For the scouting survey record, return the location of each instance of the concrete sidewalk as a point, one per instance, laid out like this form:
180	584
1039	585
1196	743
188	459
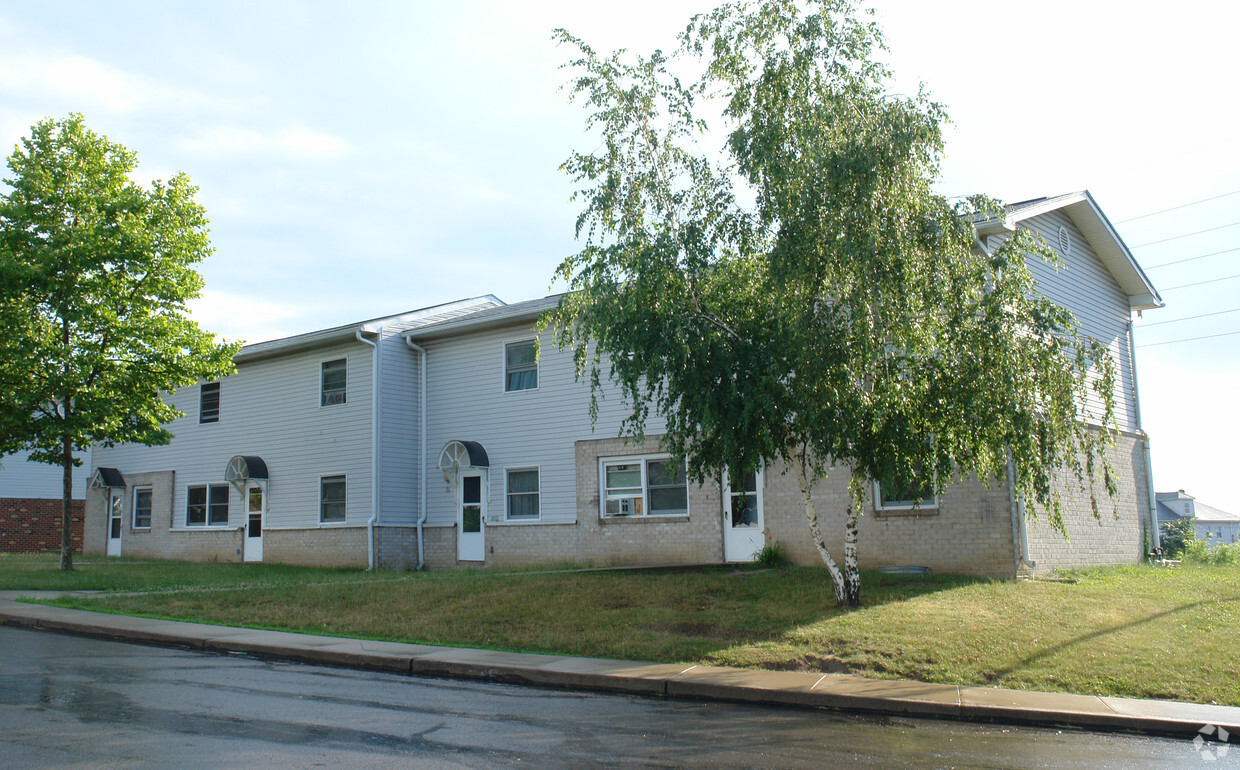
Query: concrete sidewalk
783	688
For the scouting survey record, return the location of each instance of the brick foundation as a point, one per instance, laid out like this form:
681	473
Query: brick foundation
30	525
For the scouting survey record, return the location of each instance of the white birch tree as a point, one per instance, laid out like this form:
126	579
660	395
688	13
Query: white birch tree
791	288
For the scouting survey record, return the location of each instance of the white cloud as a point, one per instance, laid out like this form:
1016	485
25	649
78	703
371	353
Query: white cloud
294	141
236	316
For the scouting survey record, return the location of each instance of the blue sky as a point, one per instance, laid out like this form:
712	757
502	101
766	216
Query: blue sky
368	158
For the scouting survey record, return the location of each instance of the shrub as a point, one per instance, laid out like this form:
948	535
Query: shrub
1201	552
772	555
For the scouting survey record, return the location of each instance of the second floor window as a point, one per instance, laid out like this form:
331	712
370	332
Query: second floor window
209	402
335	380
520	366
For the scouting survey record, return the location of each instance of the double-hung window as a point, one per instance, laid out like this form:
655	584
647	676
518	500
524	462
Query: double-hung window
643	486
905	494
209	402
522	493
332	499
206	505
334	382
142	508
520	366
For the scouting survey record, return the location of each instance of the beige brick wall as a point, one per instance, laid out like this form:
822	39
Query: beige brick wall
1116	536
396	548
970	532
317	546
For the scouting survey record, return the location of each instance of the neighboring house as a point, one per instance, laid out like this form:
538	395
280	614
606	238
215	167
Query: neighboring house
31	504
1213	525
451	443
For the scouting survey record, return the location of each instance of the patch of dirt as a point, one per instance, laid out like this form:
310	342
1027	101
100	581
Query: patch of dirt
811	664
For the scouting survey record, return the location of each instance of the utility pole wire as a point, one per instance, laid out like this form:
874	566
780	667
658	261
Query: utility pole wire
1187	339
1190	259
1176	208
1191	317
1185	235
1202	283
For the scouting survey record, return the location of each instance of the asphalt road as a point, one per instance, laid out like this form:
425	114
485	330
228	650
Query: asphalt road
74	701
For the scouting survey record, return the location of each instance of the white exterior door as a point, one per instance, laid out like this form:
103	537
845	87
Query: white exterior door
256	514
470	525
743	534
116	512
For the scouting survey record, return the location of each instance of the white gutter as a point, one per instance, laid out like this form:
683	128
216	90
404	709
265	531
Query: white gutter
1155	534
422	448
374	455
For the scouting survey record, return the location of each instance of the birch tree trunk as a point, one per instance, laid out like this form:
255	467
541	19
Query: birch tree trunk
811	515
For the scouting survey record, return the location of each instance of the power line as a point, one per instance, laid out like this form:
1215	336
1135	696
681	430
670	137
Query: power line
1187	339
1176	208
1213	280
1191	317
1185	235
1201	283
1190	259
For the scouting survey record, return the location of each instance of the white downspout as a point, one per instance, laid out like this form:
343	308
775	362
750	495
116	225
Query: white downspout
422	450
374	456
1155	534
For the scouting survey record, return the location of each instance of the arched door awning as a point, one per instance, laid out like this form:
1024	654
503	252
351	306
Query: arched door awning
243	468
107	478
462	454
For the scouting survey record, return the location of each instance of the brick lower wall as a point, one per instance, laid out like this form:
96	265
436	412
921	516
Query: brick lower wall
32	524
1116	535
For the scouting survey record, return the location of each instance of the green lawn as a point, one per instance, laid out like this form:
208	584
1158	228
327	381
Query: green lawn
1136	631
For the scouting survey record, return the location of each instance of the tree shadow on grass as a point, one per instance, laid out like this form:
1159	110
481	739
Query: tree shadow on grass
1047	652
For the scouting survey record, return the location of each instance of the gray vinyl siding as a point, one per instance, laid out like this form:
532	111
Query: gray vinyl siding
20	478
522	429
270	408
1084	286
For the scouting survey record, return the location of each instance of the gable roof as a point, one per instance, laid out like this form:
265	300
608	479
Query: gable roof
485	318
424	316
1084	212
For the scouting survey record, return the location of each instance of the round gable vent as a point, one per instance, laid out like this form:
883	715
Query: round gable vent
1065	242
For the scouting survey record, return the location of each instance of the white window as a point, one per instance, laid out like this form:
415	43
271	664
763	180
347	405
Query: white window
206	505
142	508
642	486
209	402
520	366
916	493
522	493
334	382
332	499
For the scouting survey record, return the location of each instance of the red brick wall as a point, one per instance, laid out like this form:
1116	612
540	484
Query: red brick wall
33	524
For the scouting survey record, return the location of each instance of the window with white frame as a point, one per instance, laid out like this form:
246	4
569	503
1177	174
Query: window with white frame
209	402
142	508
334	381
206	505
520	366
332	499
522	493
643	486
915	493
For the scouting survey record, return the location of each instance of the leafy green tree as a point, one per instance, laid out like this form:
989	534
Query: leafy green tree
1176	535
794	290
95	271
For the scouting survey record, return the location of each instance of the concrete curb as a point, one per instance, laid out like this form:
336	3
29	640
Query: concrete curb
783	688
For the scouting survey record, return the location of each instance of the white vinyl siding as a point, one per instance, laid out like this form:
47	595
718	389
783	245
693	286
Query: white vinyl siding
21	478
273	413
539	428
1085	287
